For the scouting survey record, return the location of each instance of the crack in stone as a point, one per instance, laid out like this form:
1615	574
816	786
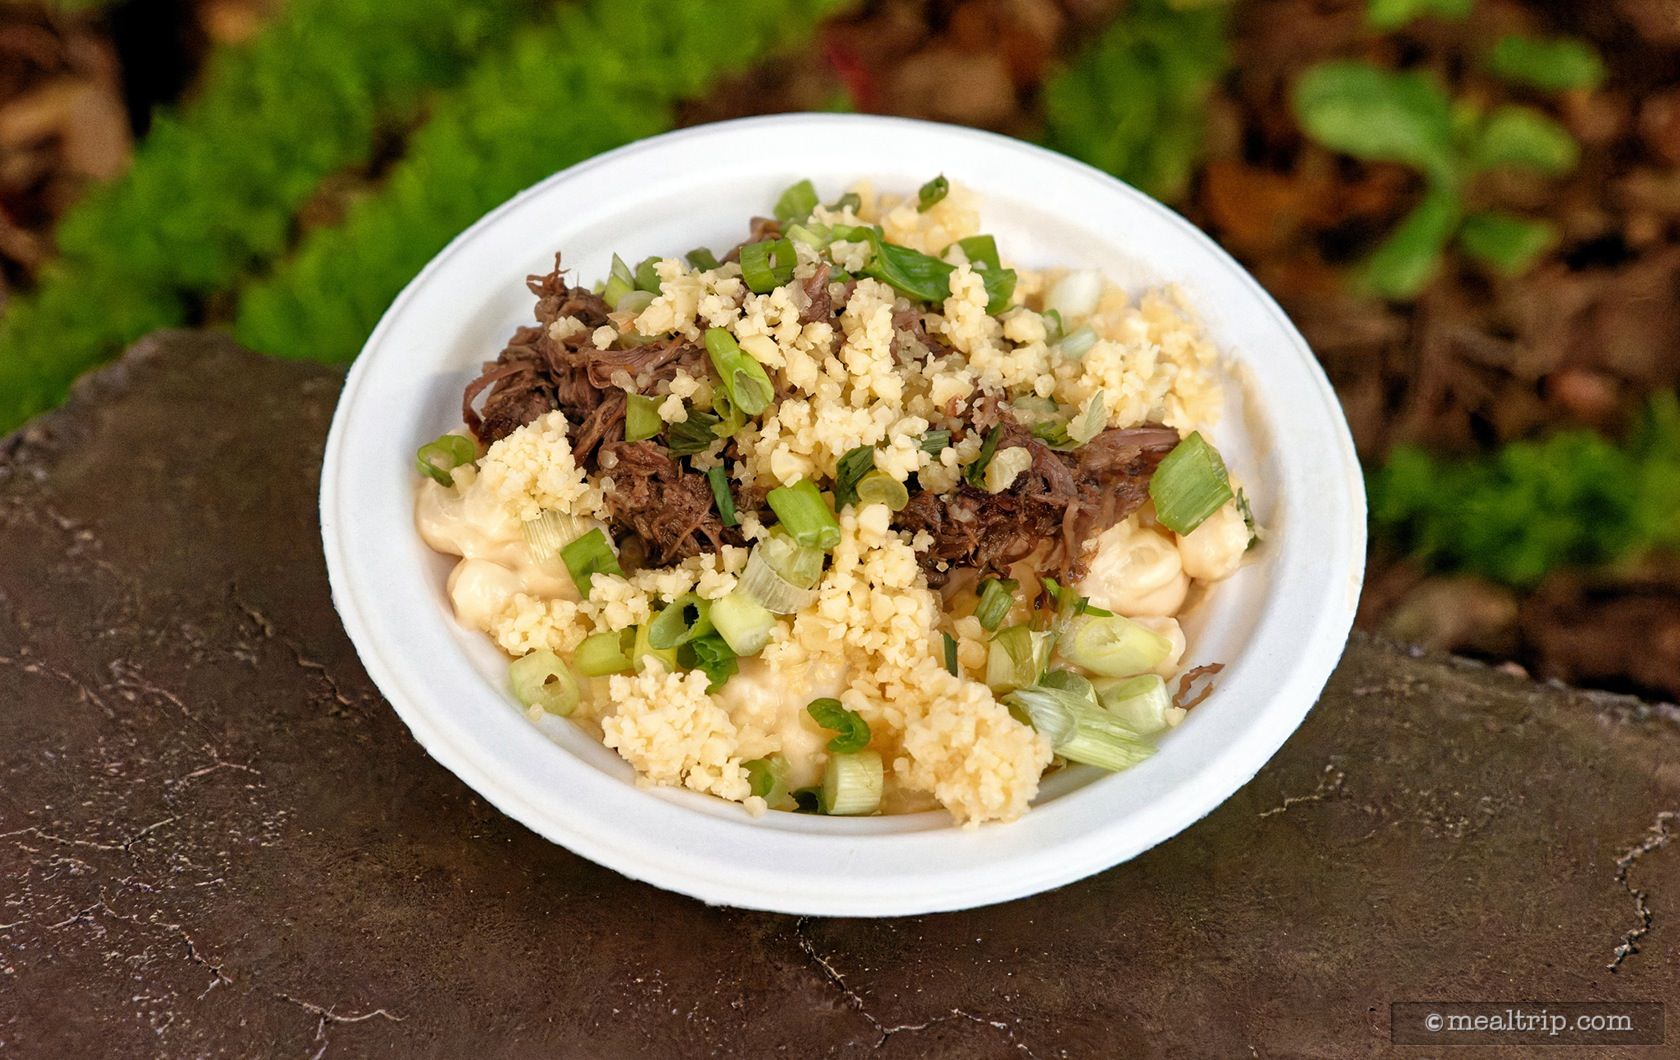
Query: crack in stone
269	631
324	1015
1329	784
825	968
1656	837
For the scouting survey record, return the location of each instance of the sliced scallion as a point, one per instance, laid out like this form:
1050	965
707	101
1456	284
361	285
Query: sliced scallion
588	556
1075	296
550	532
1053	327
641	418
975	473
812	235
761	581
851	731
796	203
848	471
541	679
647	274
932	193
644	649
620	282
768	264
718	479
743	622
633	304
1011	659
702	259
693	435
1078	728
744	379
1189	485
878	487
997	596
951	665
767	779
1143	704
712	655
605	653
852	784
1090	422
934	442
801	565
1077	343
442	455
981	252
805	515
849	201
682	620
1113	645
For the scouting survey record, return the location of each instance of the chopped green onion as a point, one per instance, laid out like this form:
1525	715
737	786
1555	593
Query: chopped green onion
1011	659
683	619
718	479
911	273
711	654
743	622
641	418
588	556
932	193
951	665
1142	704
443	454
1247	514
981	252
801	565
605	653
633	303
815	236
702	259
731	418
852	732
805	515
848	470
1077	343
644	649
1113	646
744	379
693	435
934	442
1078	728
997	596
768	264
540	679
975	473
796	203
647	275
1053	326
878	487
1091	422
1076	295
807	800
550	532
620	282
1189	485
852	784
767	779
851	200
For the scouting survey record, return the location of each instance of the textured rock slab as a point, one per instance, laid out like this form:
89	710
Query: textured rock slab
215	838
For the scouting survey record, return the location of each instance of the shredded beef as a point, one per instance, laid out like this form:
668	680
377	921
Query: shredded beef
1062	498
670	509
819	305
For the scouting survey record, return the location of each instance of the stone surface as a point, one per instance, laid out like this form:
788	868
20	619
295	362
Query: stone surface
216	839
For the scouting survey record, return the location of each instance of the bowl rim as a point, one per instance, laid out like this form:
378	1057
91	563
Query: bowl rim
767	886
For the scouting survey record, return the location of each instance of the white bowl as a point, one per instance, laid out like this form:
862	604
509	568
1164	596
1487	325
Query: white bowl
1279	625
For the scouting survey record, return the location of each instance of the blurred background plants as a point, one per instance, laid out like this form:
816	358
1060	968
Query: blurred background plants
1471	207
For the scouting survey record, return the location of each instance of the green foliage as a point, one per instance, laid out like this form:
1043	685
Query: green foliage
1392	14
1384	116
1134	101
601	74
214	188
1574	499
1555	64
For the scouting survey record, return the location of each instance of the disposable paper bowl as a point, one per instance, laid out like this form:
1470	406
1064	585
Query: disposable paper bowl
1279	625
